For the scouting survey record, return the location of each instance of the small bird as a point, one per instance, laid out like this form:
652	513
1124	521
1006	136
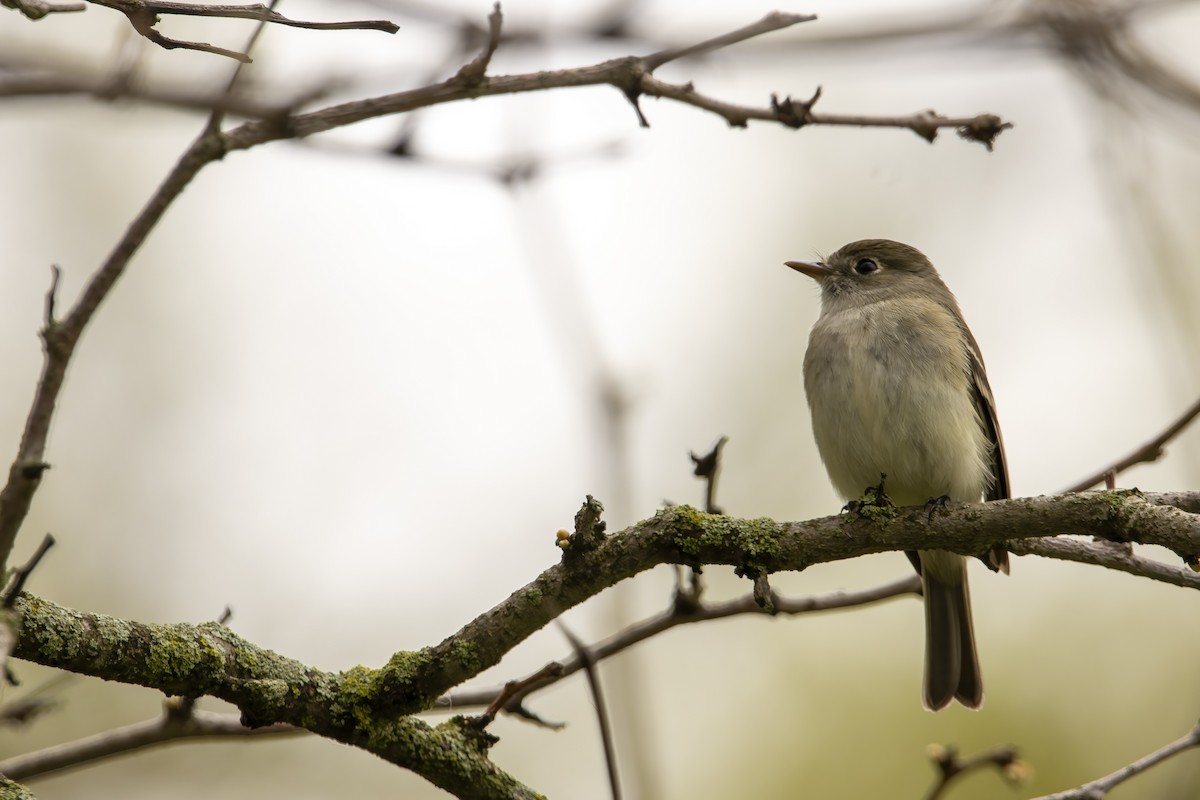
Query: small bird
897	387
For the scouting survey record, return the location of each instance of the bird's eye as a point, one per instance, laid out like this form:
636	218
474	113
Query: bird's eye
866	266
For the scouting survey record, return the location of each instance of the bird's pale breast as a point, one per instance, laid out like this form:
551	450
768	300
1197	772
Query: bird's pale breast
890	393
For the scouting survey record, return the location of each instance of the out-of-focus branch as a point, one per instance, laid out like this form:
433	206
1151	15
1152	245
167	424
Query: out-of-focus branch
950	767
707	467
1149	452
1100	787
586	658
36	9
131	738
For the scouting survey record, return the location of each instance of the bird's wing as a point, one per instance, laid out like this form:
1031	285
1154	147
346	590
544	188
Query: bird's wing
985	406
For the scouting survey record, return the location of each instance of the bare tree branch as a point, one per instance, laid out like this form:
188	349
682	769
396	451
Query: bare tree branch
675	616
630	74
143	16
36	9
1100	787
218	114
132	738
1111	556
776	20
606	738
1149	452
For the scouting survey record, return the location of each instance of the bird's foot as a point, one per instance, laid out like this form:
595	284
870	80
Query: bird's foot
936	504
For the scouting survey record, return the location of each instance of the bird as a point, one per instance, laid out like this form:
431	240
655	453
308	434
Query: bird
896	386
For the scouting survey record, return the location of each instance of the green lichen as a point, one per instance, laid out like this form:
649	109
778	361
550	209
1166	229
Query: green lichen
396	683
466	654
179	656
355	696
881	515
698	534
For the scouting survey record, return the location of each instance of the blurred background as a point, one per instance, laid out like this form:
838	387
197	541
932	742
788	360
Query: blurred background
351	386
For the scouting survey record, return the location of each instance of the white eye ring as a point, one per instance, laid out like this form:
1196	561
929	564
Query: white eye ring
866	266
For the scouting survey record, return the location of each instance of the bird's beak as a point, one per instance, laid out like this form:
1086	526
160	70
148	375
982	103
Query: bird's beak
813	269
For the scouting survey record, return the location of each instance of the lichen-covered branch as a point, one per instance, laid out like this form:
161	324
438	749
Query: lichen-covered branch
368	708
210	659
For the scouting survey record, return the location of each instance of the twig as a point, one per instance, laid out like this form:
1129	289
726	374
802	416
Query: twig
131	738
1100	787
52	295
1106	554
22	574
708	466
143	16
641	631
36	702
593	676
59	342
774	21
1149	452
950	766
103	88
218	113
514	689
473	71
36	9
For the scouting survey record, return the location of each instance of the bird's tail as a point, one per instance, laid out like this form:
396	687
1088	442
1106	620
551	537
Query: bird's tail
951	665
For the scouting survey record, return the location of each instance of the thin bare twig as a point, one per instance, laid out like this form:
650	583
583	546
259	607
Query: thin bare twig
36	9
708	467
1100	787
1149	452
473	71
36	702
218	113
21	575
774	21
9	625
143	16
1111	556
513	690
586	658
950	766
102	87
131	738
641	631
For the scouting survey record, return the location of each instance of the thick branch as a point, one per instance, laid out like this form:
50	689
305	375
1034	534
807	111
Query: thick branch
210	659
268	688
365	707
